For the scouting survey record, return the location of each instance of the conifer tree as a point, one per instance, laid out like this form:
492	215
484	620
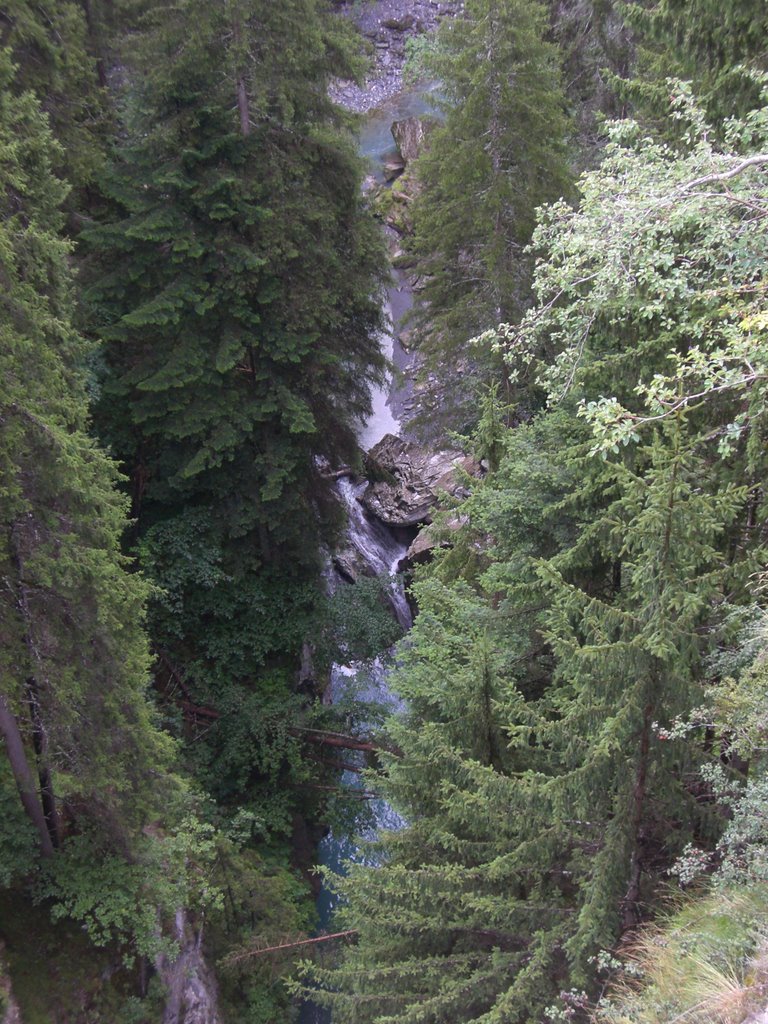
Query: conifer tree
543	790
73	713
499	154
236	289
52	45
718	47
535	821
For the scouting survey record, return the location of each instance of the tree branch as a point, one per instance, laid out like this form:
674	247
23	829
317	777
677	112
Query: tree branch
752	161
336	739
249	953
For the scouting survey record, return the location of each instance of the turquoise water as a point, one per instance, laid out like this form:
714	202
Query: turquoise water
376	142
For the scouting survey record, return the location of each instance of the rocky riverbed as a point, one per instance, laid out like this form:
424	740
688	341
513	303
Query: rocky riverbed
387	24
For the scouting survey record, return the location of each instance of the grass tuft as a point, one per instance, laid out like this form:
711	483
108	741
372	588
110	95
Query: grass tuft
707	963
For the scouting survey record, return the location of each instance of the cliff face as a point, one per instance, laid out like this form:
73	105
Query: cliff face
190	984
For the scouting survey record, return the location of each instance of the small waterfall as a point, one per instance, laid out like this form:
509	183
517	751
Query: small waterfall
377	545
381	551
382	420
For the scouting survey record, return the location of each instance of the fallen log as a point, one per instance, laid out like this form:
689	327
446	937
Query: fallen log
333	739
249	953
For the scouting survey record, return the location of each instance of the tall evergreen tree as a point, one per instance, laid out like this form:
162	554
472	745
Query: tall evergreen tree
498	155
52	45
238	300
543	800
718	47
535	819
75	660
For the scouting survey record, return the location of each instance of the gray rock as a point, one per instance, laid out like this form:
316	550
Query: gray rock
426	540
393	169
401	24
351	564
411	135
191	991
408	479
406	339
392	21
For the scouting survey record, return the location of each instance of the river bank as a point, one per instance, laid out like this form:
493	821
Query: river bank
387	25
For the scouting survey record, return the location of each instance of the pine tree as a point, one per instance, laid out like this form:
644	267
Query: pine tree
536	819
718	47
543	788
52	43
236	290
499	154
75	660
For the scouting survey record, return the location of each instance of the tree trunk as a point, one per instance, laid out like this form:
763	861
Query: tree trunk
495	132
243	106
39	735
630	915
95	43
14	745
40	742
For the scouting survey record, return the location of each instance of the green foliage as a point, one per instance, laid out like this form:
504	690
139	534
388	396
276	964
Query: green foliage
681	329
126	902
50	43
498	155
18	847
74	650
237	294
706	961
236	290
595	46
419	52
575	619
358	623
55	971
264	902
718	47
239	612
491	427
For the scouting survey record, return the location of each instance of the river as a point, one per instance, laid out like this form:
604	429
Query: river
378	546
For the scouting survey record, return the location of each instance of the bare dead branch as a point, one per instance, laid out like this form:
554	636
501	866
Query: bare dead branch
752	161
248	954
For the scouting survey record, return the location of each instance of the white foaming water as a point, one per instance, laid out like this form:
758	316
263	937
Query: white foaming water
382	552
379	548
382	420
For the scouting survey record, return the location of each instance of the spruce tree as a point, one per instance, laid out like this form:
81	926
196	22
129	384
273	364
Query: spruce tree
535	820
73	712
236	289
52	44
718	47
544	790
498	155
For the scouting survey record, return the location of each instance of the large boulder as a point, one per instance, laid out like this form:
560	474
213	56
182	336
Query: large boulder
350	564
408	479
410	135
427	540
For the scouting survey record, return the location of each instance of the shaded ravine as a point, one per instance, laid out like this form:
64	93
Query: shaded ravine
379	547
382	552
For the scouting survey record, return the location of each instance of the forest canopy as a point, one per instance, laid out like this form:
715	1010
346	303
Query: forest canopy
194	297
